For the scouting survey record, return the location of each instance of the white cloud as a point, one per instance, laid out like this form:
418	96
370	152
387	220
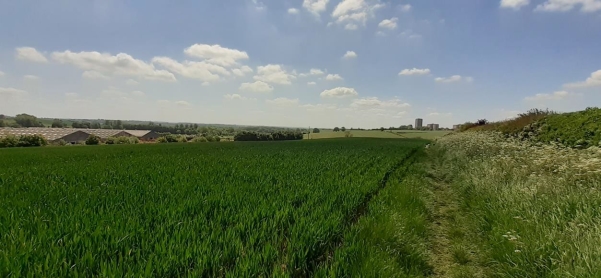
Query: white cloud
351	26
90	74
293	11
405	8
334	77
381	34
593	81
400	115
30	54
71	95
409	34
236	97
242	71
319	107
559	95
196	70
454	78
315	6
567	5
257	87
1	73
282	101
414	71
30	77
374	102
11	93
274	74
438	114
350	55
311	83
132	82
182	103
514	4
259	6
138	93
312	72
216	54
340	92
355	11
390	24
120	64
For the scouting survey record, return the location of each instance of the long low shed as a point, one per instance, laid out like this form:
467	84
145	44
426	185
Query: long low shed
74	135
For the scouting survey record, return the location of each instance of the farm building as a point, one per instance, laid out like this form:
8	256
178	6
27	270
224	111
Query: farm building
74	135
144	135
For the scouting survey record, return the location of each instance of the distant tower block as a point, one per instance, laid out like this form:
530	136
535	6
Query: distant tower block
419	123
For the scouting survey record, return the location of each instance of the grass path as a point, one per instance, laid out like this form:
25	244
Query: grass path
453	252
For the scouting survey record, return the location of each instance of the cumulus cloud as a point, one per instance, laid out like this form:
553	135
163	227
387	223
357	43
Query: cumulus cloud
71	95
293	11
30	77
374	103
236	97
355	11
315	7
311	83
593	81
242	71
120	64
30	54
216	54
405	8
438	114
454	78
334	77
586	6
514	4
257	87
138	93
340	92
414	71
182	103
312	72
351	26
90	74
350	55
274	74
132	82
559	95
282	101
196	70
390	24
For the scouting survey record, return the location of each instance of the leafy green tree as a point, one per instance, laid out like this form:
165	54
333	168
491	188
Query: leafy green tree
26	120
336	129
316	130
2	123
58	123
343	129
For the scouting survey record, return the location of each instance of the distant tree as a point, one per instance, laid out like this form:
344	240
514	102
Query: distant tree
26	120
343	129
382	128
481	122
336	129
2	117
58	123
316	130
2	123
96	125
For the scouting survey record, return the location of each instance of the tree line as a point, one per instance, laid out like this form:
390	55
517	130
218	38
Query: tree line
275	136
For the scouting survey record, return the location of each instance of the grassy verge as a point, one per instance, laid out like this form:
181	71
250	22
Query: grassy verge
391	239
532	211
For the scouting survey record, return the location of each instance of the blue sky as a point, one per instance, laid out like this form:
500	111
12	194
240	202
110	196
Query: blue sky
353	63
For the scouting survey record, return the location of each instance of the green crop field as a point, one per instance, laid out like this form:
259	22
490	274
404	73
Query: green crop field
167	210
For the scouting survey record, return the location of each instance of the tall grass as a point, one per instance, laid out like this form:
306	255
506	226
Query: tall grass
536	208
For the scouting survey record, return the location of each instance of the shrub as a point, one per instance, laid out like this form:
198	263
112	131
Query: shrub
61	142
182	139
169	138
122	140
110	141
93	140
199	139
32	141
9	141
217	139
